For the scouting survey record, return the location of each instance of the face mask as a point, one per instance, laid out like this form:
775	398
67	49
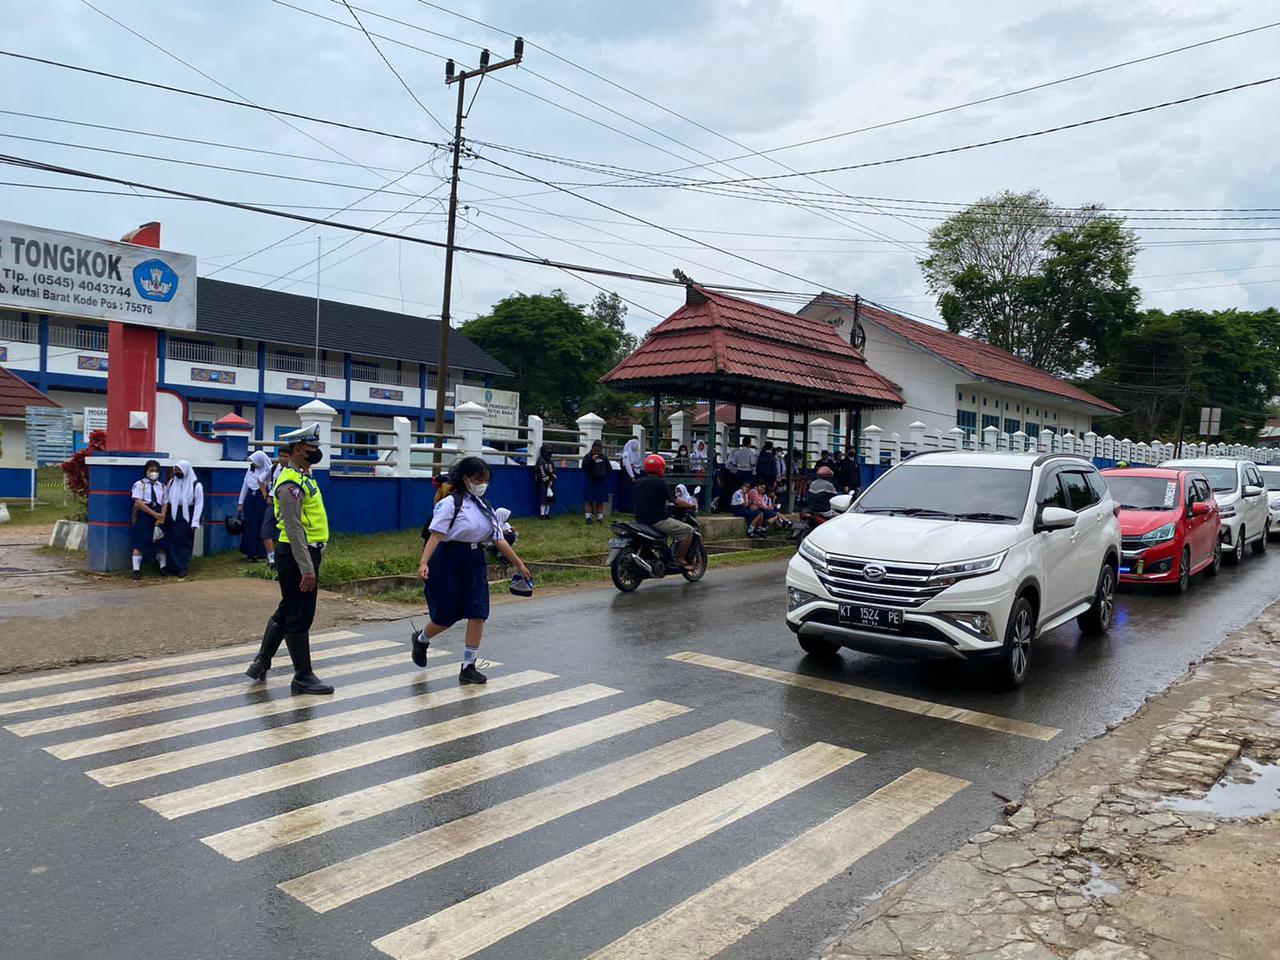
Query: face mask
314	456
153	474
477	489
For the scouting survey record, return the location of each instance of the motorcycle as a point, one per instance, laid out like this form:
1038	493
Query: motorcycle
638	552
808	522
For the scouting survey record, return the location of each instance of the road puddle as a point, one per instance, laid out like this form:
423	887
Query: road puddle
1248	789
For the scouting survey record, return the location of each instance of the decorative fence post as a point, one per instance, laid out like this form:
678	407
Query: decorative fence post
468	422
1045	443
1018	441
534	436
894	445
1091	445
679	429
872	434
955	438
404	446
916	431
590	429
820	435
990	437
1142	453
319	412
1109	447
637	431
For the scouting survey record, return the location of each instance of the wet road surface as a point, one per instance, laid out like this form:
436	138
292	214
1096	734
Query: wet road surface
659	775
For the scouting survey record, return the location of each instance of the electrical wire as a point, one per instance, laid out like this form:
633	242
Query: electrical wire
409	90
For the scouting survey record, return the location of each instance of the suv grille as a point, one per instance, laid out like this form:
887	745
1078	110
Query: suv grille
903	584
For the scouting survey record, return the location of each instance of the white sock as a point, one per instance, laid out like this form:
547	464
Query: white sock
468	656
587	515
162	559
599	516
271	556
137	563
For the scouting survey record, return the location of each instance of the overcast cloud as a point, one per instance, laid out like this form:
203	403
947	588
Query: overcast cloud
757	72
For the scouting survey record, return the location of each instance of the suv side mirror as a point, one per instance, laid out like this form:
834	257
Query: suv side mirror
841	502
1252	491
1056	518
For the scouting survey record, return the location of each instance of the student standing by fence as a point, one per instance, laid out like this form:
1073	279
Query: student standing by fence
148	519
255	491
544	476
186	508
596	469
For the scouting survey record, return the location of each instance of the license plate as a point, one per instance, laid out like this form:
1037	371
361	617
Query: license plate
871	618
617	543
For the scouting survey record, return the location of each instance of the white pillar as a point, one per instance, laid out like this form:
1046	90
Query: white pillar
820	434
872	434
404	446
990	437
955	438
1091	445
894	443
1018	442
468	424
679	429
637	431
590	429
1109	447
533	436
916	432
1142	453
1046	440
320	413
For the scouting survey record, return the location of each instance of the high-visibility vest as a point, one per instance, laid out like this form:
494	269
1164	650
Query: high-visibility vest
315	522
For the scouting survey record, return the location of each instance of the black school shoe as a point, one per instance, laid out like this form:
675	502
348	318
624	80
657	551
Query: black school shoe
418	648
469	674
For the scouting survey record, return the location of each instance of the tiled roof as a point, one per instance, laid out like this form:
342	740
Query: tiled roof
16	395
236	310
980	359
760	355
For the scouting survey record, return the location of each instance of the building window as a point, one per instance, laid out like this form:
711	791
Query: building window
990	420
959	398
984	401
360	453
202	428
967	420
1011	425
1033	429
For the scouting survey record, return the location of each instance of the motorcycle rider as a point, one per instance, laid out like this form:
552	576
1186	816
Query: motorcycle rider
652	498
821	491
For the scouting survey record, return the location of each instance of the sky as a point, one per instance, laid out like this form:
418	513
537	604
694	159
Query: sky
661	87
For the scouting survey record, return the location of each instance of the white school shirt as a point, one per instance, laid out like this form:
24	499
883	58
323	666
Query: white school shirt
739	498
249	487
474	524
195	510
140	491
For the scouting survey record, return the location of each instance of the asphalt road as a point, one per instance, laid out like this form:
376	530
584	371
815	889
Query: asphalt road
658	778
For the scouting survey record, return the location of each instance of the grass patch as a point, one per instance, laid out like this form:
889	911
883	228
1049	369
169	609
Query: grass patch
49	507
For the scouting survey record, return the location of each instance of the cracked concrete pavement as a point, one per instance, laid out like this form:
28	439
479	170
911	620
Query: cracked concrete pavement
1105	859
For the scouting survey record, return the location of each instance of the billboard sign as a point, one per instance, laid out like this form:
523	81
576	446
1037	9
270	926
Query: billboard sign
502	409
50	271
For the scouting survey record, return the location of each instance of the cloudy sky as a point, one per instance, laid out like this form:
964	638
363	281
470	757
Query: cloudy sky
660	87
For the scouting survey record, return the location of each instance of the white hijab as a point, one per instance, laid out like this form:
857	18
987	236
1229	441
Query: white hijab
259	471
700	450
182	491
683	492
631	457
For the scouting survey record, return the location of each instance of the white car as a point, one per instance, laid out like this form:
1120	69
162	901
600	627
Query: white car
960	555
1271	476
1242	503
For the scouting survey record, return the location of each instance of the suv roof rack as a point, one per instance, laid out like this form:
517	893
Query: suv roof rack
1049	456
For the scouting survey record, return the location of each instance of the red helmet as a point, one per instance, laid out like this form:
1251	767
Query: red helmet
654	464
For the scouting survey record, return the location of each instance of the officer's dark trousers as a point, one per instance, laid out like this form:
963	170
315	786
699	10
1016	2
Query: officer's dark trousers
292	620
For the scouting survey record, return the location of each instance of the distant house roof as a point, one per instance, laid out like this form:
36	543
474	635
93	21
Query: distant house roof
981	360
16	395
236	310
752	354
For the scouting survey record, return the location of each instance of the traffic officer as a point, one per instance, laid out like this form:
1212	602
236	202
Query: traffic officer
304	530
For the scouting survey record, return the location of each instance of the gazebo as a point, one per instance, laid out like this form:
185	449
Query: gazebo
723	349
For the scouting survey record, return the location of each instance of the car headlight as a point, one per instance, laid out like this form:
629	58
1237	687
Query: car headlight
1275	501
799	598
1227	511
815	555
948	573
1159	534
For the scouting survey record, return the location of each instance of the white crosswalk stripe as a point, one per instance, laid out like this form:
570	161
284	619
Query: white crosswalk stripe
267	779
57	678
612	777
81	694
241	685
481	921
185	758
306	822
151	732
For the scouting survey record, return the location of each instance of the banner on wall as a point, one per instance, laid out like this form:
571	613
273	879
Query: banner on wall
502	409
51	271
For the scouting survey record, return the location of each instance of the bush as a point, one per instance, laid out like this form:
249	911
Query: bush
75	472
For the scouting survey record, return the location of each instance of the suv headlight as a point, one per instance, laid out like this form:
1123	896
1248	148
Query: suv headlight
816	556
798	598
948	573
1159	534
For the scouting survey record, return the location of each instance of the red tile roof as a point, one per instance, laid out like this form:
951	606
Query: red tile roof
762	355
980	359
16	395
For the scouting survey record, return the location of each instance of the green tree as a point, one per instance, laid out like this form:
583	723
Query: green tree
1220	358
1051	286
557	350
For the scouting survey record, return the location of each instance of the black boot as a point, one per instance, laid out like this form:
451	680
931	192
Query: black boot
271	638
304	681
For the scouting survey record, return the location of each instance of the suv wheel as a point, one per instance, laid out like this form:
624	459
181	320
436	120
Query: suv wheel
1009	669
1097	619
1237	552
1260	545
818	648
1184	572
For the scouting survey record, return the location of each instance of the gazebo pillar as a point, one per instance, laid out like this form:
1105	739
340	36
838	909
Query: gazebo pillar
713	468
791	457
656	443
735	435
804	445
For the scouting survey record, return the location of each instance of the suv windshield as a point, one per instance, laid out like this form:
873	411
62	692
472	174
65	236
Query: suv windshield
1272	478
984	494
1143	493
1222	479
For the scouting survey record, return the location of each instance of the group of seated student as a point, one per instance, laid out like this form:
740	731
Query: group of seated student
754	502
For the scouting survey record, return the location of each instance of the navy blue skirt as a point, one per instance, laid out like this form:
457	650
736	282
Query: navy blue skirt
457	586
144	532
597	489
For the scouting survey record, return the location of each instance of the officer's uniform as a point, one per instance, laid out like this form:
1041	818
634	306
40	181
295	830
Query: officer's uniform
304	531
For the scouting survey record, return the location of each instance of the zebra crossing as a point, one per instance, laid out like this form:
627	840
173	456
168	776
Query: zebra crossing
193	742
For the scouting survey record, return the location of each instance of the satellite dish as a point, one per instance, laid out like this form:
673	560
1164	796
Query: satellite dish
859	337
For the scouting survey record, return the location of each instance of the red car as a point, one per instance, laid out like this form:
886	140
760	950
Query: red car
1168	525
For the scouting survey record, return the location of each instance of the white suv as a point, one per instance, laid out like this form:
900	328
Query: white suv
1242	503
960	555
1271	476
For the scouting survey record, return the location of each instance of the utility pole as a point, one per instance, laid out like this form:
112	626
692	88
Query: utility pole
442	365
1182	409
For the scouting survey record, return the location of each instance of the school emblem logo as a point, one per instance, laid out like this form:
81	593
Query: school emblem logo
155	280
